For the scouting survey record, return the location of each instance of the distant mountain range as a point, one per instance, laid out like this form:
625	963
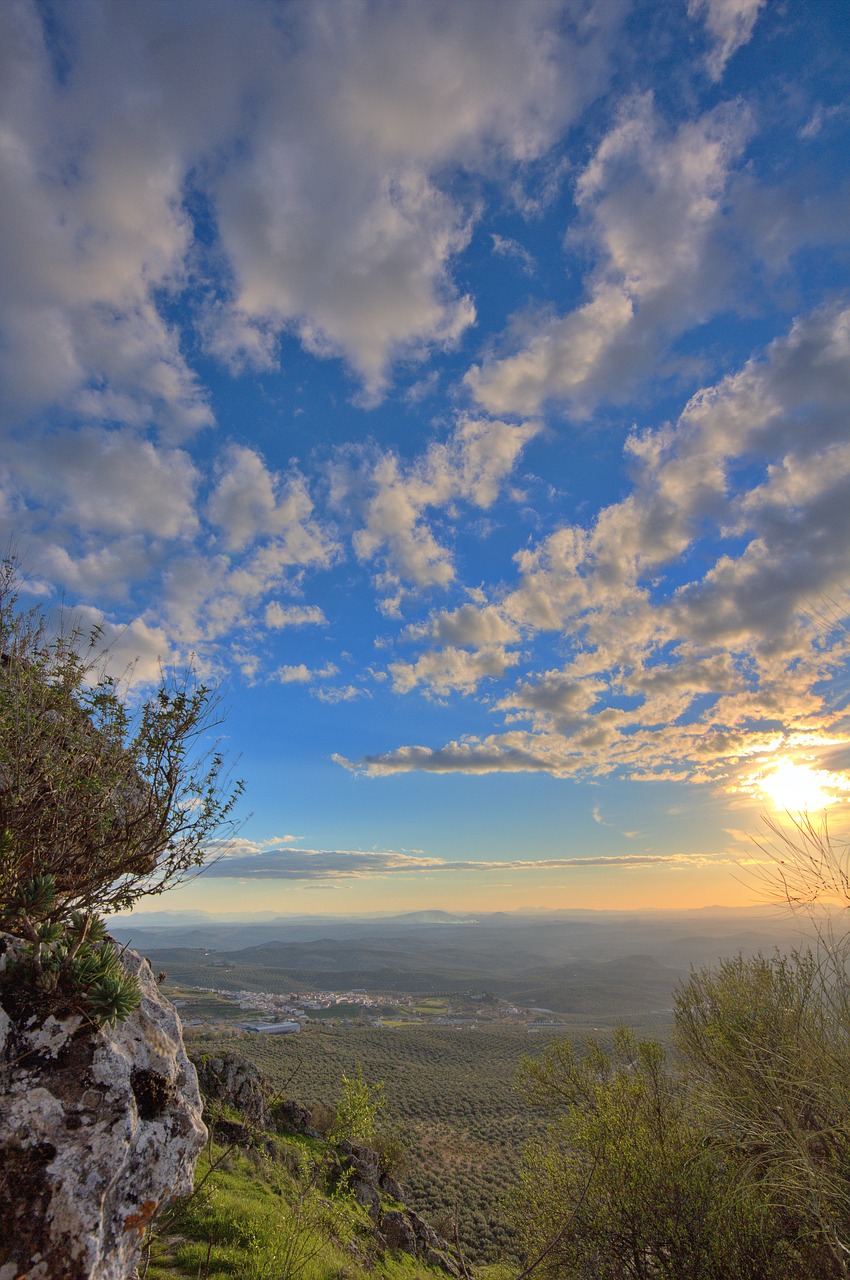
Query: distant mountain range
571	962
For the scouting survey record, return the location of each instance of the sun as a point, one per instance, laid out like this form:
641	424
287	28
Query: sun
797	788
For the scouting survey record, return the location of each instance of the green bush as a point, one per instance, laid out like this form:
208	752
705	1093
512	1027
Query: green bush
765	1043
103	799
622	1185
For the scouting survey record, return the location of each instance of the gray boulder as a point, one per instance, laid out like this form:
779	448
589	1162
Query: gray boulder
99	1130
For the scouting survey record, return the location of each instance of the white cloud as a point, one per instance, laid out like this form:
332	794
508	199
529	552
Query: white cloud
710	680
250	503
300	674
730	24
206	596
451	669
292	173
135	651
507	247
470	624
393	498
652	204
92	225
294	615
319	133
109	481
339	227
340	693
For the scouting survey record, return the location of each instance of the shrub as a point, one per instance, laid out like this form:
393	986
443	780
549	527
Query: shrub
735	1160
103	799
358	1110
622	1184
112	799
766	1046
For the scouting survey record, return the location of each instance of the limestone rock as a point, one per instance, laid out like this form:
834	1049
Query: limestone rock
398	1232
98	1130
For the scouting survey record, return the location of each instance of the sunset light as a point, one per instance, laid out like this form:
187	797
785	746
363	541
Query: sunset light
462	387
797	788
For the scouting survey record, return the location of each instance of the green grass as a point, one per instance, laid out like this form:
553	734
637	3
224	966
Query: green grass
261	1217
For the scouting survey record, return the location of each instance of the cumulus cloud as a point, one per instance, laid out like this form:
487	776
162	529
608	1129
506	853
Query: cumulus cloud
298	674
340	227
333	694
106	481
93	224
207	596
702	680
652	205
317	131
249	503
135	652
392	499
171	180
294	615
445	670
470	624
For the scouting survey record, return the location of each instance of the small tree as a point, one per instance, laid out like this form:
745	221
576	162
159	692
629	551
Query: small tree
358	1111
102	800
112	800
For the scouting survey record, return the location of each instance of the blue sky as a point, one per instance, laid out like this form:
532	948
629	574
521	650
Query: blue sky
466	386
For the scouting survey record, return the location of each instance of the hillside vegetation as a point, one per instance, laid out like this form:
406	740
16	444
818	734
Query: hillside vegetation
724	1155
451	1093
276	1200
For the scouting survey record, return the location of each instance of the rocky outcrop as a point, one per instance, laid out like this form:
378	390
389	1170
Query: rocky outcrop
99	1128
231	1079
238	1105
397	1226
291	1117
404	1229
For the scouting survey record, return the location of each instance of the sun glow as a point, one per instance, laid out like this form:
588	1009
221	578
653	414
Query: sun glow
797	788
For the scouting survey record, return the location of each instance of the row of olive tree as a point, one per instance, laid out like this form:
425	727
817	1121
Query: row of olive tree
725	1159
104	798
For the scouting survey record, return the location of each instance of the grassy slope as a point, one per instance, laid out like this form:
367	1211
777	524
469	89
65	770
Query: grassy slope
452	1092
269	1217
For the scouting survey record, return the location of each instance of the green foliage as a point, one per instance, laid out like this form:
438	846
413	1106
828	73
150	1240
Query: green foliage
733	1162
358	1110
100	802
250	1220
112	798
765	1041
621	1184
270	1217
450	1097
72	960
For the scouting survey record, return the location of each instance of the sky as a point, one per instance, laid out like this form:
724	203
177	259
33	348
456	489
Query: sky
464	386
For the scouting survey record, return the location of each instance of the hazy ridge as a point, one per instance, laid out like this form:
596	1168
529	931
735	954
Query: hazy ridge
569	962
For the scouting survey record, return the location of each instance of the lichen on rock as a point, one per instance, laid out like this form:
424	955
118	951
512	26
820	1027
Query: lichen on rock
100	1127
